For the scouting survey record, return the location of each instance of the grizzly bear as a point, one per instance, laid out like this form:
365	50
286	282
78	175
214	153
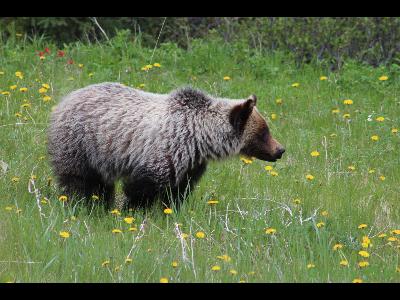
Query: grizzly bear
158	144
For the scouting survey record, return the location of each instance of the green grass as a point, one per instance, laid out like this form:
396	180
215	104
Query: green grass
250	199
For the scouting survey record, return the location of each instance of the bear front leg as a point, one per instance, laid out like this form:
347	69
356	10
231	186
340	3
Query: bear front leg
87	186
140	193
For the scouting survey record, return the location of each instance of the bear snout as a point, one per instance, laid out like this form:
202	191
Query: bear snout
279	152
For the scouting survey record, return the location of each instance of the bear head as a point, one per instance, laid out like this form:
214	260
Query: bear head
256	137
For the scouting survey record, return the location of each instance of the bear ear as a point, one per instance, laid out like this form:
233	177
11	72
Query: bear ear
241	112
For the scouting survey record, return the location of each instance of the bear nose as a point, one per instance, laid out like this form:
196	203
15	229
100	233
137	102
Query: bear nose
280	151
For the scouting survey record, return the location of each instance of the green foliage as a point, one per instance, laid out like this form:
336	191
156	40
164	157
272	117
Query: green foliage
331	40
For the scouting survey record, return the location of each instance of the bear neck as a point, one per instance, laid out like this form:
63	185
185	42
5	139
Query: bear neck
213	136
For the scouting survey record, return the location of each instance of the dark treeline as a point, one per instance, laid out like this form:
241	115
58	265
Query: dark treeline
373	40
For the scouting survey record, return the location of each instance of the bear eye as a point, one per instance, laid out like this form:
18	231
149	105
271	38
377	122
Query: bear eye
265	135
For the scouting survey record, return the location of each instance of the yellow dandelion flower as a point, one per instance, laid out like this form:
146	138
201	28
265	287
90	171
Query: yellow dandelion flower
323	78
215	268
129	220
362	226
246	160
8	208
18	115
296	84
382	177
297	201
320	224
142	85
144	68
46	98
270	230
392	239
157	65
268	168
200	235
273	173
90	74
395	231
226	78
363	253
212	202
19	74
309	177
233	272
383	78
13	87
116	212
394	130
366	242
274	116
64	234
80	66
46	86
26	105
224	257
374	138
18	210
278	101
174	264
310	266
184	235
63	198
382	235
117	268
163	280
128	260
105	263
23	89
324	213
132	229
346	116
357	280
344	263
370	171
42	90
337	247
168	211
15	179
348	102
6	93
380	119
95	197
363	264
335	110
351	168
116	231
314	153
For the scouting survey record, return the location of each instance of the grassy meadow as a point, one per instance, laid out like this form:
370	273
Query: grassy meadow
328	211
